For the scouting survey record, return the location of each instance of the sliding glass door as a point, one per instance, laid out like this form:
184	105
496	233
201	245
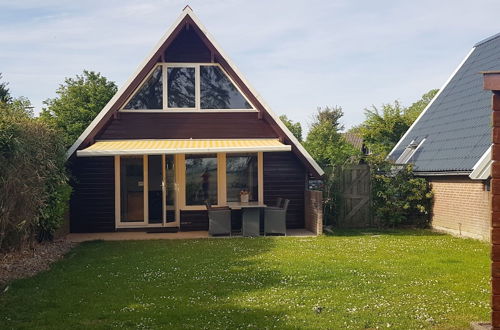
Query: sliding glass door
132	190
147	190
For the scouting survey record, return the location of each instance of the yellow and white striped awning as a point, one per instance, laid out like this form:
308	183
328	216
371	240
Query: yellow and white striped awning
188	146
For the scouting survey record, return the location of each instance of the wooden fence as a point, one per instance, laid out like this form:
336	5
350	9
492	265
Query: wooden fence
354	191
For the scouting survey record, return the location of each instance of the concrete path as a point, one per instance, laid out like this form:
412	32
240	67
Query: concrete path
140	235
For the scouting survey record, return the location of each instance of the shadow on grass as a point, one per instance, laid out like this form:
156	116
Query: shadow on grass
174	284
389	232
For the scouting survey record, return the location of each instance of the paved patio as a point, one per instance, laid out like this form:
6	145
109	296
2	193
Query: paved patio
139	235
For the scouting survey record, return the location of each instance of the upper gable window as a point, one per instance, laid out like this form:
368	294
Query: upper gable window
188	87
218	92
181	88
150	94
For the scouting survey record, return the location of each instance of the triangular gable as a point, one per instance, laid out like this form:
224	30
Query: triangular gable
158	55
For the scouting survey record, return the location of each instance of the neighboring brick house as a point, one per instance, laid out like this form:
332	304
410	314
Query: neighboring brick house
450	145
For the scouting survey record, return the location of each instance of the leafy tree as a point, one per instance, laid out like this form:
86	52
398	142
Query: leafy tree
79	100
327	146
325	142
295	128
399	197
384	126
416	108
4	92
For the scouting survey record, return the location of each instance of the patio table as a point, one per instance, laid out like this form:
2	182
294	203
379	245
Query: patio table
250	217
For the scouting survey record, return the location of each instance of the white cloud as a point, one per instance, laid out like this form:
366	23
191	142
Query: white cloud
298	54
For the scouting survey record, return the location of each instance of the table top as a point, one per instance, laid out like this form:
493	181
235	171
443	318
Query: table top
239	205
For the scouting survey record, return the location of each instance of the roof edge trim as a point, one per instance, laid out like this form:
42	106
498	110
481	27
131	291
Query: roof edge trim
487	39
482	169
432	101
442	173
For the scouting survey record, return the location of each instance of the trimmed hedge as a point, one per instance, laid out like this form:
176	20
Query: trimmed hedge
34	189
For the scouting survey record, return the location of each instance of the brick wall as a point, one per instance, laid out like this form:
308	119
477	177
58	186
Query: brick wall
461	206
314	211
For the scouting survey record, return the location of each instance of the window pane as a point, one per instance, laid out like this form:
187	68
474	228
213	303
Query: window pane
180	88
132	189
150	95
218	92
201	179
241	175
155	194
170	182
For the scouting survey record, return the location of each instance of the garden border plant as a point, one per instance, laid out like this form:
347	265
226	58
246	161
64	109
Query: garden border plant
34	189
398	196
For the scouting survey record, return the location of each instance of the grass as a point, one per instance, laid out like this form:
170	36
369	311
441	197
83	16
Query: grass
401	279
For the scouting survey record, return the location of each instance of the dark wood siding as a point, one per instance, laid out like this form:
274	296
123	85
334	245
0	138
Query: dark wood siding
194	220
92	205
188	47
187	125
285	176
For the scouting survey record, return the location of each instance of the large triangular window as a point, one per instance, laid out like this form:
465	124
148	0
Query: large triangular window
150	94
189	86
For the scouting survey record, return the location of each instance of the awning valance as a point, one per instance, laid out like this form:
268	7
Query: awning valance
187	146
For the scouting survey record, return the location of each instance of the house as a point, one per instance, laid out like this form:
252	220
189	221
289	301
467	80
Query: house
186	128
356	140
450	145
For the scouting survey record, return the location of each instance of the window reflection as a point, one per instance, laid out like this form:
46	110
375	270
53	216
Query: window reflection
241	175
180	85
150	95
201	179
218	92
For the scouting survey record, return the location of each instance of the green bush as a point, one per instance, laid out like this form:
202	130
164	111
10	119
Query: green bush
34	191
400	198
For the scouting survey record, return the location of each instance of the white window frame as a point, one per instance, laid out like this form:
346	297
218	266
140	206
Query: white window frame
221	182
197	108
180	189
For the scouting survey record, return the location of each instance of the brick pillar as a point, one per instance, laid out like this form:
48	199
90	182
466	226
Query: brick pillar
492	82
314	211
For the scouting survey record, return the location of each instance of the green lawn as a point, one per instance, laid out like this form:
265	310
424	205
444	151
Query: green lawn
402	279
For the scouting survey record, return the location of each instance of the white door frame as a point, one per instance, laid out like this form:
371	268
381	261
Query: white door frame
145	222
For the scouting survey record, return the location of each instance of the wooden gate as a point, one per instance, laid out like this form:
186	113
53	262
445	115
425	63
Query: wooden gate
355	197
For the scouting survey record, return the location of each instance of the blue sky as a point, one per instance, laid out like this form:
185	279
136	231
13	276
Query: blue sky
297	54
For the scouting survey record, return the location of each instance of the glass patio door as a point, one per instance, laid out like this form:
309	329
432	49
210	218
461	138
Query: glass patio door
161	190
170	199
147	191
132	190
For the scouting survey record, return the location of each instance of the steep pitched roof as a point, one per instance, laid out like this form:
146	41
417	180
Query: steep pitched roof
456	125
157	54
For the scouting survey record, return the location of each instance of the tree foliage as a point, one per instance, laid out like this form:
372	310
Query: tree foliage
78	102
4	92
325	142
417	107
399	197
34	192
294	127
327	146
384	126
